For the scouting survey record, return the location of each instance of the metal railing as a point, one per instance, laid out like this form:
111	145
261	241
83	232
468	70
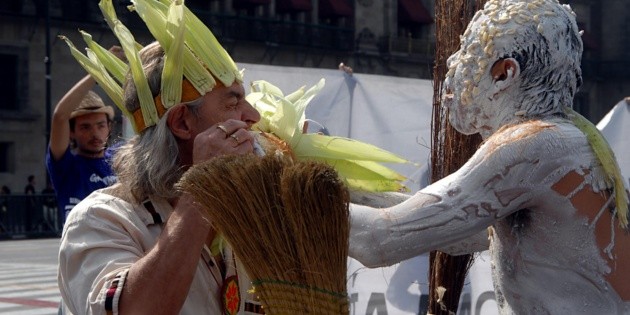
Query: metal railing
279	32
29	216
412	46
226	27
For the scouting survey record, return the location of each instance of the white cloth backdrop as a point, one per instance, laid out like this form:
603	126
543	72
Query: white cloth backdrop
616	127
395	114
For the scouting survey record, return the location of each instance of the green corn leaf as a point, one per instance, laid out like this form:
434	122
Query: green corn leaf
364	170
109	13
113	90
172	75
301	103
357	163
376	185
208	49
113	64
149	112
606	157
331	147
295	96
285	122
154	14
267	88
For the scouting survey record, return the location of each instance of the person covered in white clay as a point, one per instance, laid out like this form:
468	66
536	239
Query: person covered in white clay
558	243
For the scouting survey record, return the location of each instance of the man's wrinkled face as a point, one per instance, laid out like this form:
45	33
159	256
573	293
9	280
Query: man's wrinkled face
224	103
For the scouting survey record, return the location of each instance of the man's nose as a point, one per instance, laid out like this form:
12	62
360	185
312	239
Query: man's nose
250	115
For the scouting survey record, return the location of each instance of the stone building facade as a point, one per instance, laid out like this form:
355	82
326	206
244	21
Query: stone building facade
386	37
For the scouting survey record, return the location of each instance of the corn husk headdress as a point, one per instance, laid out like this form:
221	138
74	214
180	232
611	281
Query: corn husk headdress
193	59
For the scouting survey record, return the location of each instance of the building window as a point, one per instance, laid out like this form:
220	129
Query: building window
294	10
335	12
253	8
9	80
412	17
7	157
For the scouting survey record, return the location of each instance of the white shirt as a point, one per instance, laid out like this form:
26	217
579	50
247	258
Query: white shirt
104	235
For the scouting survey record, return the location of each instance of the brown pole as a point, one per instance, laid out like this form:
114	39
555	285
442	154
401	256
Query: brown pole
450	149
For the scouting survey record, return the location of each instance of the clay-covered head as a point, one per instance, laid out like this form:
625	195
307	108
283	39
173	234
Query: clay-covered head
516	59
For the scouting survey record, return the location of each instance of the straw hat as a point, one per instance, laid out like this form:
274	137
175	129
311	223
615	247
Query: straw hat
92	103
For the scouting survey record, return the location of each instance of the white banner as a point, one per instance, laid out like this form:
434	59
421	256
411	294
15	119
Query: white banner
615	127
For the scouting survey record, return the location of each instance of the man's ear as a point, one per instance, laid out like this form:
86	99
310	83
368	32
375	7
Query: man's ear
504	73
178	121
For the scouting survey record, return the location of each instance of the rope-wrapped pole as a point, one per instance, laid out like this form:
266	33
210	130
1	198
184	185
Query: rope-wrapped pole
450	150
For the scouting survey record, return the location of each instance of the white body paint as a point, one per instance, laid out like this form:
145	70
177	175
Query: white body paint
545	257
545	253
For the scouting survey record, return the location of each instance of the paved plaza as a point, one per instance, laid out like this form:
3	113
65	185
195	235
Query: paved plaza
28	277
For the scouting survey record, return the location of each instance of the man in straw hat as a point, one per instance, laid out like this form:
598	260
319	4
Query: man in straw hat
141	246
78	159
545	182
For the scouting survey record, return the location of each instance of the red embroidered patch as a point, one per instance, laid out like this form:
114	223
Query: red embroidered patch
231	296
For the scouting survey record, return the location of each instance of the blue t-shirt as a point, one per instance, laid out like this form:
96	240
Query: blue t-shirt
75	177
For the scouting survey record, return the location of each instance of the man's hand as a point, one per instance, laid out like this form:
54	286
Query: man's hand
228	137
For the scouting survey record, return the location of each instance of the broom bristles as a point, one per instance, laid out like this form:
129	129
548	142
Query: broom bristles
288	223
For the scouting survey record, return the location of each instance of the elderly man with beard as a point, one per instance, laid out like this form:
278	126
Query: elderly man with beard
142	246
556	220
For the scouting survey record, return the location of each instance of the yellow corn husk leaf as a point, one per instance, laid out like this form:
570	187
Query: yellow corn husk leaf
356	162
208	49
365	170
606	157
266	105
255	97
295	96
376	185
287	113
113	90
301	103
149	112
331	147
367	175
109	13
285	122
113	64
154	14
172	75
267	88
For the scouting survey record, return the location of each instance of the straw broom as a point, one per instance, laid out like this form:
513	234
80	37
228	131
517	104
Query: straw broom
287	222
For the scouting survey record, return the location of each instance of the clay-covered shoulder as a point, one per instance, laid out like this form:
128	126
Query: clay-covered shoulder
538	138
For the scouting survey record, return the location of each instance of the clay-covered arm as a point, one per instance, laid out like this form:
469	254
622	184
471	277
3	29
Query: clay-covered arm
451	214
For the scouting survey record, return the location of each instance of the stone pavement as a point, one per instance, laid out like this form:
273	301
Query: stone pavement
28	277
